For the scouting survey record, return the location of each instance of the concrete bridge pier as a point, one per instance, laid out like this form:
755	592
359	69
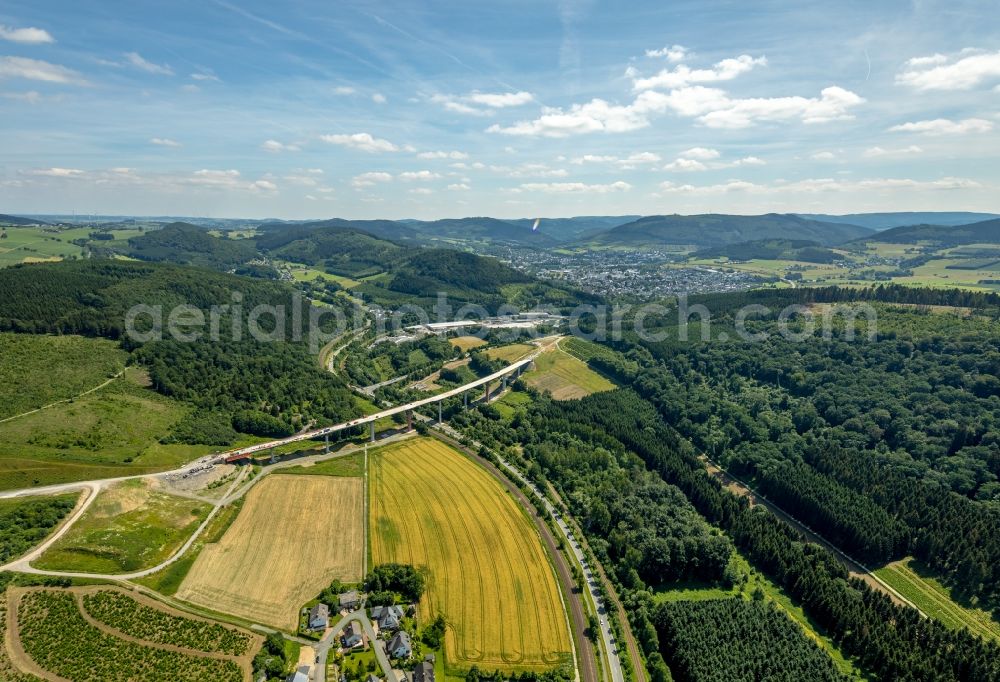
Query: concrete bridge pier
465	396
440	417
326	443
373	431
409	420
504	382
486	392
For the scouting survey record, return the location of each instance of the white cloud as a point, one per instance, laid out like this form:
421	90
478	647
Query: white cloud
682	76
421	190
874	152
962	72
362	141
28	36
265	185
421	175
443	155
674	53
574	187
164	142
370	179
459	187
480	103
31	96
685	165
816	185
275	147
500	100
57	172
944	126
304	180
709	106
823	156
749	161
38	70
344	90
203	76
136	60
530	170
700	153
378	98
216	178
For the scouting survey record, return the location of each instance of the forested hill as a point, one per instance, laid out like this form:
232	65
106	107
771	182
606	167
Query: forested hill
345	251
987	231
91	297
267	388
769	249
17	220
382	229
483	228
713	230
190	245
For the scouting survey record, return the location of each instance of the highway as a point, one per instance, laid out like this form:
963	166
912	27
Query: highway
399	409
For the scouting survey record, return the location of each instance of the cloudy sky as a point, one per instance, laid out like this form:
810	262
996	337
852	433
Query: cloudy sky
311	108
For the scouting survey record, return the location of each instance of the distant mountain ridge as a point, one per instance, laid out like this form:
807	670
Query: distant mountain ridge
19	221
714	230
885	221
987	231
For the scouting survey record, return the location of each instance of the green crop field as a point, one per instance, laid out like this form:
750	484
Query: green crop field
129	527
349	465
114	431
564	376
913	581
510	353
38	370
34	244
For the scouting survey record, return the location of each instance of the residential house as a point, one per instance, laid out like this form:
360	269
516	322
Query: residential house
387	617
399	646
372	677
319	617
349	601
353	635
424	672
300	675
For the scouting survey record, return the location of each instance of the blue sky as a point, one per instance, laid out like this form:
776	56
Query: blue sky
442	109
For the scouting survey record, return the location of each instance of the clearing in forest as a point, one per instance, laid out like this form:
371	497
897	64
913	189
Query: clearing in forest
565	377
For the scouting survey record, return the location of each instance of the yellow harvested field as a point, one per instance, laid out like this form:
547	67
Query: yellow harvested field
565	377
294	535
464	343
486	570
511	353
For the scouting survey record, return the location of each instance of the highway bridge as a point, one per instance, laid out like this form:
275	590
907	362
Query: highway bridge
502	376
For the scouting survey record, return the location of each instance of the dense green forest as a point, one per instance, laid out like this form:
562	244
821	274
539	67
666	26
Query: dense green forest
738	640
270	388
26	522
922	406
897	642
191	245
